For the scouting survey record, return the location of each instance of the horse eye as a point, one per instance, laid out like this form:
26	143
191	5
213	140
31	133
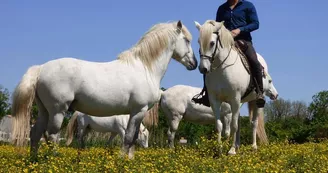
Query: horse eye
212	43
187	41
270	81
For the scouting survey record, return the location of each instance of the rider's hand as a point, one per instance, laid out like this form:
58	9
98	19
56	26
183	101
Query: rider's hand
235	32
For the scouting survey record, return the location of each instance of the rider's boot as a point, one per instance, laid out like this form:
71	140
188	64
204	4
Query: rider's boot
200	98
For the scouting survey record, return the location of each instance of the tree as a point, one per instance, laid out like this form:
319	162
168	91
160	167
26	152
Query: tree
319	106
299	110
4	102
278	109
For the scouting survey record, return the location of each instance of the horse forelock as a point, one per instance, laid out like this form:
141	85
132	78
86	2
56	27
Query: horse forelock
153	43
206	32
211	26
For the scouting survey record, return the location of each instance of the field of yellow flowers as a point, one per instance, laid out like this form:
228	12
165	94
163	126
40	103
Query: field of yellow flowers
206	157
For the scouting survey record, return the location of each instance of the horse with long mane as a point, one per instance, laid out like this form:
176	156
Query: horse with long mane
227	79
127	85
183	108
116	124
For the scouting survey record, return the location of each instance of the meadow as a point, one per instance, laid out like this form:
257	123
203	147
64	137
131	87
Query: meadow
204	157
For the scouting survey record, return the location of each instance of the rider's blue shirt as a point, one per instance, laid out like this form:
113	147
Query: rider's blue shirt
243	16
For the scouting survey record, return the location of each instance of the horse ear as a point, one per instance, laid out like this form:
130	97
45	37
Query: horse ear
179	25
198	26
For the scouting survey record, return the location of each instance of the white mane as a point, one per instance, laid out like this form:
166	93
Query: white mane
152	44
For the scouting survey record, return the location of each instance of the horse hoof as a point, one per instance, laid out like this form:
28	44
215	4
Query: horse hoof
171	146
131	156
254	147
232	151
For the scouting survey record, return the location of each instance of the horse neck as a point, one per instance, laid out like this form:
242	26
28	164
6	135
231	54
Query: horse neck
160	65
232	63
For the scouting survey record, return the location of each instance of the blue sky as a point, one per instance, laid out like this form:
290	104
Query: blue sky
291	37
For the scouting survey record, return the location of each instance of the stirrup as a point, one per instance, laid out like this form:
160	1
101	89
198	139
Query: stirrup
197	97
260	101
201	99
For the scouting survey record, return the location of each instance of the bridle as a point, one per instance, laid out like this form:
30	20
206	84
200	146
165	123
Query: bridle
212	58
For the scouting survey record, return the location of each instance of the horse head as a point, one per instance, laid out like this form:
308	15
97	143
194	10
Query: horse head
143	136
269	89
183	51
215	43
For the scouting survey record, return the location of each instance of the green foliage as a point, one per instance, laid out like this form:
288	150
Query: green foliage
319	106
290	128
245	130
192	132
299	125
4	102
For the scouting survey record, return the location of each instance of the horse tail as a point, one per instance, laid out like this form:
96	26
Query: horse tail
260	126
261	129
151	117
71	127
23	97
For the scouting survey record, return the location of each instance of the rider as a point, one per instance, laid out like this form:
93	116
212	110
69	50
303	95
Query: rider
240	17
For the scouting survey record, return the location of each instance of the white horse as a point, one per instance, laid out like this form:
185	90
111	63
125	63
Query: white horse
116	124
227	79
177	105
5	128
128	85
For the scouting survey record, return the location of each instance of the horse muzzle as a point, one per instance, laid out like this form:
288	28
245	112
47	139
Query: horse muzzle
203	70
274	97
192	66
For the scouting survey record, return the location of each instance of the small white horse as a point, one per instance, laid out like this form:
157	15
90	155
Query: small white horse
6	131
116	124
128	85
5	128
177	105
227	79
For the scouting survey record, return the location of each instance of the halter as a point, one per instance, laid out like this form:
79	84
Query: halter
211	58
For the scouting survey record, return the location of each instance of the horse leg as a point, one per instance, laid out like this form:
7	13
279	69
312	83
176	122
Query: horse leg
112	136
131	133
235	108
54	124
174	124
254	122
226	119
238	134
47	137
38	129
216	107
81	133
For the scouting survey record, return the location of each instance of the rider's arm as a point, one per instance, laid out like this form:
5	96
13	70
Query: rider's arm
251	16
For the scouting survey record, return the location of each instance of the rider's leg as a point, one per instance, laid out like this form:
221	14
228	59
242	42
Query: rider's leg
256	68
200	98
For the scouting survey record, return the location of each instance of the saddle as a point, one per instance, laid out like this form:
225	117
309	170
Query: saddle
241	48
